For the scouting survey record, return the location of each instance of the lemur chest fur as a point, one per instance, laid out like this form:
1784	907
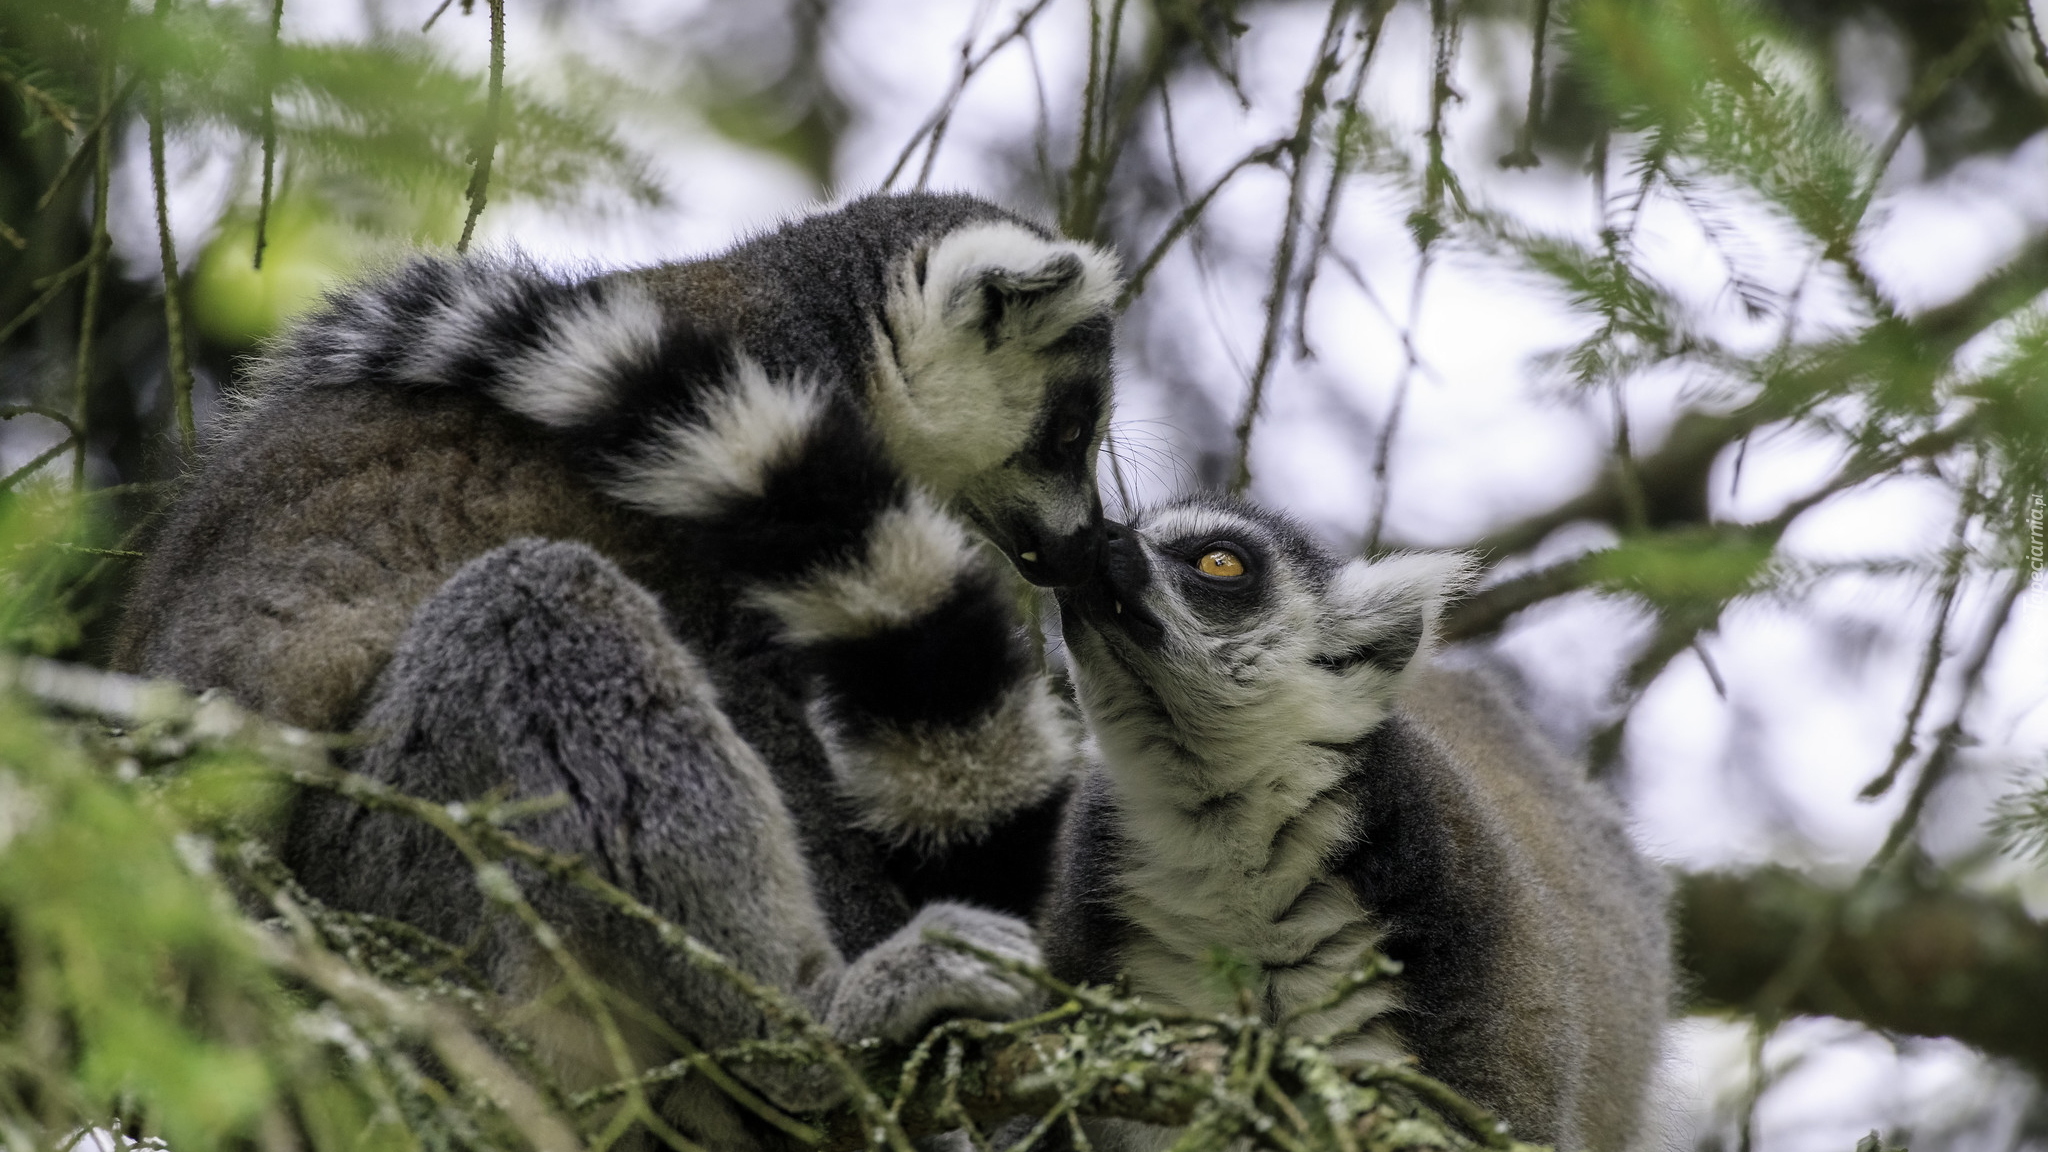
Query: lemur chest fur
1243	869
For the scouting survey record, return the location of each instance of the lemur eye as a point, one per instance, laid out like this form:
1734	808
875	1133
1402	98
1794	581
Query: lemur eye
1070	432
1220	562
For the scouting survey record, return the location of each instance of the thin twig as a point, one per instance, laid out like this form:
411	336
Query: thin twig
10	411
1713	670
450	1038
300	757
1383	444
1524	155
1946	741
1481	1122
934	125
2034	36
944	116
429	25
8	482
86	144
487	136
1436	177
1356	275
1427	224
1930	657
1311	105
1777	994
272	60
1840	248
56	283
1340	164
1077	175
1108	126
95	273
167	250
1635	503
1189	214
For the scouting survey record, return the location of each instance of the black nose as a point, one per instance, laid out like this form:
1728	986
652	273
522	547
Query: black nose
1060	561
1123	558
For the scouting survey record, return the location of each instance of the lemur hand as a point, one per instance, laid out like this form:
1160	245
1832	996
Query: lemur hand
903	985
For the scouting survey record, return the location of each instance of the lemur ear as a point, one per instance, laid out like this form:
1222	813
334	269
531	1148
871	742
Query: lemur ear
1383	613
1006	282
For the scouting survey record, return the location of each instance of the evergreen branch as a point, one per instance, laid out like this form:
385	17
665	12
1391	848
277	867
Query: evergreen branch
52	107
1682	463
1806	957
1931	84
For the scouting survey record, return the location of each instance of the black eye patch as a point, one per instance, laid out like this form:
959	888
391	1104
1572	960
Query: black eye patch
1066	433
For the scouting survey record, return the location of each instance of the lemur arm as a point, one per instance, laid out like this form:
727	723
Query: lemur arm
1079	927
928	700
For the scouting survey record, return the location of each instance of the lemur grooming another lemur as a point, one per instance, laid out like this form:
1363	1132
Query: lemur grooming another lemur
684	546
1284	777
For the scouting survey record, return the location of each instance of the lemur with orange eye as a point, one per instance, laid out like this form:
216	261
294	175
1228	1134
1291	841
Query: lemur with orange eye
697	548
1284	775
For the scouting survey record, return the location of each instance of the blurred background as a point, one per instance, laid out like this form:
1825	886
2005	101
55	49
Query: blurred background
1716	326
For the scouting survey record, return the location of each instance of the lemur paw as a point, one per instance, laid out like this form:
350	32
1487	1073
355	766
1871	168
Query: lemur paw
903	985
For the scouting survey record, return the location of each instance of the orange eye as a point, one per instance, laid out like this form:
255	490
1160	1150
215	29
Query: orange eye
1221	562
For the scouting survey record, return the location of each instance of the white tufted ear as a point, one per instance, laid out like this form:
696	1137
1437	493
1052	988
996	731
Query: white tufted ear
1384	612
1006	283
974	320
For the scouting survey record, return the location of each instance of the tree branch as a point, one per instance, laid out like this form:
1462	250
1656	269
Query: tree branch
1230	1079
1907	957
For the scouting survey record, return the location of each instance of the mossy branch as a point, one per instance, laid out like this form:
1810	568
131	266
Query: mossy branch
1093	1055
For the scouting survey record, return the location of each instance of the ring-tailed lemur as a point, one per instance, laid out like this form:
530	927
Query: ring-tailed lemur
677	544
1282	777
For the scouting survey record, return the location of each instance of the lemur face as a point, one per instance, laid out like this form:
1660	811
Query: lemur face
1203	609
992	387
